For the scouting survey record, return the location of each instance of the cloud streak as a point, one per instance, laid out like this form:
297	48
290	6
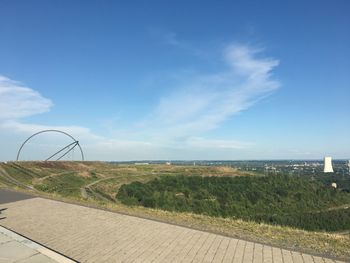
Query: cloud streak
30	128
207	100
18	101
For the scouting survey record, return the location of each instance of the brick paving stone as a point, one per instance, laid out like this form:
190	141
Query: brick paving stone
307	258
211	252
318	260
204	249
239	253
258	253
195	249
189	247
297	257
220	253
277	255
267	254
93	235
287	256
248	252
231	250
174	253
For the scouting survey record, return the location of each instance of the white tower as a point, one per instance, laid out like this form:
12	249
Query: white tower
349	165
328	168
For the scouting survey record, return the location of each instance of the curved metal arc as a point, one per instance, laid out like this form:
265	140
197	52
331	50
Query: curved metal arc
81	151
30	137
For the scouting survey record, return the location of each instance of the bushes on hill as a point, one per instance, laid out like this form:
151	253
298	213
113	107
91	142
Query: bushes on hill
281	199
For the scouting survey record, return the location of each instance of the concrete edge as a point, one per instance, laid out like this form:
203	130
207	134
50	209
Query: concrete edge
36	246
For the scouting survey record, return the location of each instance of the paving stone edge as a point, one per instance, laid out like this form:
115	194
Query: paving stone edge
55	255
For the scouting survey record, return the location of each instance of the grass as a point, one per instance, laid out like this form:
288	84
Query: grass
65	185
19	176
112	176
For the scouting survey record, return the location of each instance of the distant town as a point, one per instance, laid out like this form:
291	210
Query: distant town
297	167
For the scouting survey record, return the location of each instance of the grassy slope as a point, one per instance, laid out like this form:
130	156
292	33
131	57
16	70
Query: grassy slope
65	181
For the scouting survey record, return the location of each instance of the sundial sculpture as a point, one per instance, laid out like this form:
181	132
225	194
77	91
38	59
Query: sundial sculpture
60	153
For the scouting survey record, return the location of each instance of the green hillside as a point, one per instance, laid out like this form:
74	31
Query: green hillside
96	180
277	199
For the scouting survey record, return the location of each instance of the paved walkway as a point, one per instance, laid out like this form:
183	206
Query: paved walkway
16	248
93	235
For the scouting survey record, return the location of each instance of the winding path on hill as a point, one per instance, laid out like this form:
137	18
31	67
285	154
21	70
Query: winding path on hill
94	235
87	188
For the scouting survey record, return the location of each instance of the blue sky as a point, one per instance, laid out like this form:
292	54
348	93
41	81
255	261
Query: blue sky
181	80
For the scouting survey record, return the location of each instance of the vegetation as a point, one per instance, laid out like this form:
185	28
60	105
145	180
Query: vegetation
95	184
67	184
96	180
342	181
278	199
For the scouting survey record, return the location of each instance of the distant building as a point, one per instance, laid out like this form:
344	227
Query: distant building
328	168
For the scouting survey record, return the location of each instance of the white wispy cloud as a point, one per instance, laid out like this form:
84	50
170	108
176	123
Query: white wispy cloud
30	128
202	143
18	101
207	100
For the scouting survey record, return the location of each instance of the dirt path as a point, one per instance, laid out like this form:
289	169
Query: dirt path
100	180
86	189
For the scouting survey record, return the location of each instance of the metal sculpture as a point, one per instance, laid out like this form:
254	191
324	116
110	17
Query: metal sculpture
68	147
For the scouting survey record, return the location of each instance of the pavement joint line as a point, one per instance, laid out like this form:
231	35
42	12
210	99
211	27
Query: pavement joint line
188	242
153	244
218	248
136	243
210	246
107	251
35	246
201	245
196	238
